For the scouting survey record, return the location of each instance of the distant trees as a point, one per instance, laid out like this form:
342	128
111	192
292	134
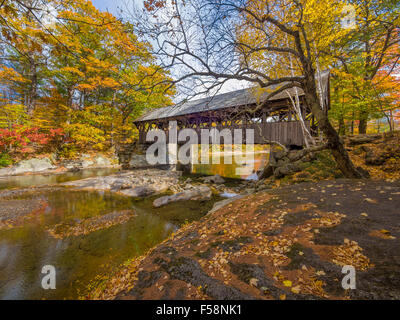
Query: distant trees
366	63
64	64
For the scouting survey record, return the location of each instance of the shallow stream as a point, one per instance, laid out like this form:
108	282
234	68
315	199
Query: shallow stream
25	249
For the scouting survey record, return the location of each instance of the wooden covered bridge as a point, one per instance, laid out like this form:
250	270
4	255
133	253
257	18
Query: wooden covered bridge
272	120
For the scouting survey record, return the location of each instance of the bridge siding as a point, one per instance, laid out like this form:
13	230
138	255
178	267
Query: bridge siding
286	133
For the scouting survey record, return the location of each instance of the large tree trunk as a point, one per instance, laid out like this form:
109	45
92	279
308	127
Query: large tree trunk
339	152
31	95
342	126
362	127
334	143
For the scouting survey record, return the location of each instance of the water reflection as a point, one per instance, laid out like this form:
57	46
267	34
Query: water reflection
43	179
25	250
247	171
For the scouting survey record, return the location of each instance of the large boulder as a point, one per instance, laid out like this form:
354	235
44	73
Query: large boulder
201	193
279	153
102	162
5	172
138	161
217	179
283	162
138	192
31	165
87	163
363	139
121	184
296	155
278	156
138	183
287	169
97	183
72	165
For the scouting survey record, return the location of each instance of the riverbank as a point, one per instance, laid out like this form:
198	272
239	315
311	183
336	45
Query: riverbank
287	243
48	164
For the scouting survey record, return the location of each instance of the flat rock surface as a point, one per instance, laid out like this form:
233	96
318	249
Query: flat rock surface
201	193
287	243
137	183
31	165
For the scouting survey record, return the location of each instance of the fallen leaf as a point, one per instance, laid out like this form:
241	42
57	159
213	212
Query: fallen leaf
254	282
296	289
287	283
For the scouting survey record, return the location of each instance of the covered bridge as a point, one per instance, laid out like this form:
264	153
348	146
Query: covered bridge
272	120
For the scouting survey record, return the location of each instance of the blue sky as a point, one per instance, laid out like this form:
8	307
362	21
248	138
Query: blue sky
112	5
103	5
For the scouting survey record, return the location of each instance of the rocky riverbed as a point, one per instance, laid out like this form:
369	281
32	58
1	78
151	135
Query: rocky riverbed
86	231
165	187
152	182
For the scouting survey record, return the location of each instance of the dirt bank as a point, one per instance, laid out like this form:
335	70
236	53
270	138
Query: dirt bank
287	243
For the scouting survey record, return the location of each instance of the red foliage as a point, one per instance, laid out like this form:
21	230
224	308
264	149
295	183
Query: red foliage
22	140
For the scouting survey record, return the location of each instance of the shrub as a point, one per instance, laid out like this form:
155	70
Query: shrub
85	136
68	151
5	160
25	140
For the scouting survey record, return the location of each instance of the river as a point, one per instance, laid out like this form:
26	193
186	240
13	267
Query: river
78	260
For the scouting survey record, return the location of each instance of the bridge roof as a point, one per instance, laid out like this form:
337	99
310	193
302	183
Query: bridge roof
239	98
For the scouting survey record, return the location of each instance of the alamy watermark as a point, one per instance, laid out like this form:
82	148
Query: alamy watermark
49	280
238	147
349	280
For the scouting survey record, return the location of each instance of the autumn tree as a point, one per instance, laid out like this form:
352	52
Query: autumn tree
108	75
67	65
210	42
23	42
366	61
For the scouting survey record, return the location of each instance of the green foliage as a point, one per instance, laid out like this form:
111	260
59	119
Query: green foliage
364	85
68	151
85	136
323	167
5	160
